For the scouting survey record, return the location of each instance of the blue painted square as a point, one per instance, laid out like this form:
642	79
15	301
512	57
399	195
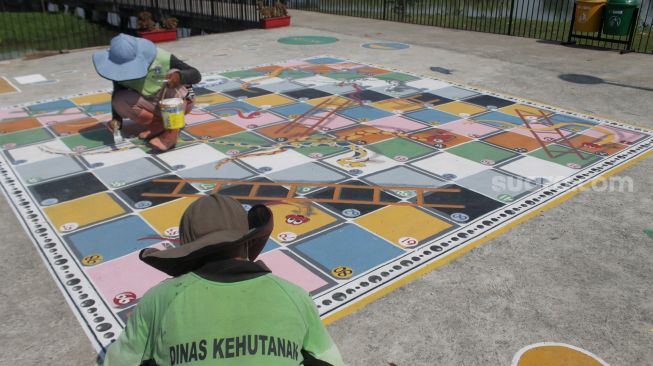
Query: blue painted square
365	113
570	123
324	60
432	116
291	110
270	245
230	108
95	109
499	120
56	106
113	239
347	245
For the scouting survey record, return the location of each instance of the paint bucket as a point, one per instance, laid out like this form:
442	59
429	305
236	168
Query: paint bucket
172	110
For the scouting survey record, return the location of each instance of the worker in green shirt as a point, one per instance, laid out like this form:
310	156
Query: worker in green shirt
221	307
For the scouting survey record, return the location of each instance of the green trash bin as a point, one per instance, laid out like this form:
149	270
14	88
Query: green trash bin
618	17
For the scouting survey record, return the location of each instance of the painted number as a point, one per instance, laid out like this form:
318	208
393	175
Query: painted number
124	298
70	226
342	272
93	259
172	231
287	236
408	241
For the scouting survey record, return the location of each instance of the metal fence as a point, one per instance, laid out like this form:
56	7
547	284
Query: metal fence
37	26
542	19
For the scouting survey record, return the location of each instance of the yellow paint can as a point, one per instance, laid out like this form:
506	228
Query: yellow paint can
172	110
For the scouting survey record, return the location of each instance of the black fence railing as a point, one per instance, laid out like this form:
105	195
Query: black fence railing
34	26
542	19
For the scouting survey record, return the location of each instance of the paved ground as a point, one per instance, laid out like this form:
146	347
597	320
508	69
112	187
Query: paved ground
579	273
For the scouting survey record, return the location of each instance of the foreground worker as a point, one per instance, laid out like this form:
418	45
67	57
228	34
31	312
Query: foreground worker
142	76
221	308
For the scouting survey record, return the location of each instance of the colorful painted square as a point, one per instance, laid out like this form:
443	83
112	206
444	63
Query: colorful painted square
71	215
482	153
400	149
214	129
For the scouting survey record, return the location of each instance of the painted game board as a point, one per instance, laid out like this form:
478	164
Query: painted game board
374	176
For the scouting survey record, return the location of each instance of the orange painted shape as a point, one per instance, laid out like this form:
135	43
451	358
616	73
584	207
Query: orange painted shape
19	125
512	141
557	355
364	133
213	129
6	87
79	126
437	136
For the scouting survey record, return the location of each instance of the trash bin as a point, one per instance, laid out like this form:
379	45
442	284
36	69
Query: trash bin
588	15
618	17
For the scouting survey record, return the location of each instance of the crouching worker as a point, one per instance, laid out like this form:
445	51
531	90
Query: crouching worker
142	76
221	307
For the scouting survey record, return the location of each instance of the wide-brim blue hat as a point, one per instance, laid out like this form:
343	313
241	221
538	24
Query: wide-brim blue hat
127	58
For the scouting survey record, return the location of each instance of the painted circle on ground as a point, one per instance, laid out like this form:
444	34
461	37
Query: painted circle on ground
351	212
488	162
118	183
287	236
408	241
459	216
9	145
264	169
124	298
206	186
33	180
342	272
573	165
307	40
143	204
404	194
69	226
385	46
315	155
80	148
449	176
92	259
233	152
355	172
49	201
505	197
172	231
304	189
247	207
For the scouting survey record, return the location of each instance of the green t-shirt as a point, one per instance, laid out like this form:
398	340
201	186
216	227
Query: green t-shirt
190	320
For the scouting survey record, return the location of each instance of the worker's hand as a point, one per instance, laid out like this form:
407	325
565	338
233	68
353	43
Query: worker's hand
173	79
115	125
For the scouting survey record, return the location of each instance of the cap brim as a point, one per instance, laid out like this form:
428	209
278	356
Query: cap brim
131	70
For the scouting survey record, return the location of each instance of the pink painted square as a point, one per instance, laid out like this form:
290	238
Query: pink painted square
265	118
613	134
544	132
198	116
125	274
13	113
289	269
468	128
70	114
333	122
395	124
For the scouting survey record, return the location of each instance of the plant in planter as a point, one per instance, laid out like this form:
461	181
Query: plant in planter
149	29
273	16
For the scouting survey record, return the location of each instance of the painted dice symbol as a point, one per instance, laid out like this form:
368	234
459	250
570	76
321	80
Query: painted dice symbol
92	259
172	231
351	212
342	272
124	298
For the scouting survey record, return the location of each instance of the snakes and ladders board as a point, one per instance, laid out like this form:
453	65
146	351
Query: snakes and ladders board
374	176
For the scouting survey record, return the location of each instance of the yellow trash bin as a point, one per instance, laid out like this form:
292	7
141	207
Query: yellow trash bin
588	15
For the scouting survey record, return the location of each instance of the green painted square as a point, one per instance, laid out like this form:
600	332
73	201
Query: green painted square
396	76
294	74
345	75
242	74
400	149
242	141
318	149
564	155
481	152
89	140
11	140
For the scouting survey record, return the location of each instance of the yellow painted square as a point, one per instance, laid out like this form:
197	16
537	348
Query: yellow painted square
167	215
317	219
396	222
392	105
84	211
270	99
332	102
524	109
92	99
213	98
461	109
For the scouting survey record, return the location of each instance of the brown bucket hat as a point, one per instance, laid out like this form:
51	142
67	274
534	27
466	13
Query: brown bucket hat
209	226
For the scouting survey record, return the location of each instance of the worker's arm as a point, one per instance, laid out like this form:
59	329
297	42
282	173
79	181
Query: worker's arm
114	115
318	348
134	346
189	75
